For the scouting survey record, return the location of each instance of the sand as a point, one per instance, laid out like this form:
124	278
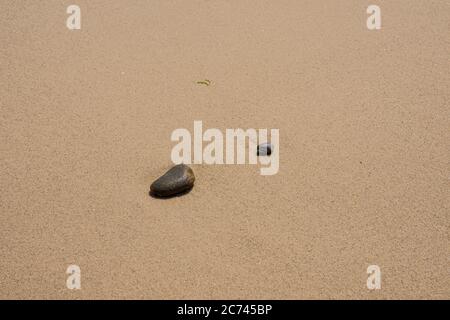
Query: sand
86	118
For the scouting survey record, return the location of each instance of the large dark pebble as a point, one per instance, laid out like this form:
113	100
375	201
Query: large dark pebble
176	181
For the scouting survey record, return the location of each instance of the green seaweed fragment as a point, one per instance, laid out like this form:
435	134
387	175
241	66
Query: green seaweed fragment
206	82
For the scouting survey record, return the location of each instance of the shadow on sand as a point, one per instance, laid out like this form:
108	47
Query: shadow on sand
182	193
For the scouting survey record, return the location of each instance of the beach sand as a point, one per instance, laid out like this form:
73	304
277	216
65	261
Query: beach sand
86	118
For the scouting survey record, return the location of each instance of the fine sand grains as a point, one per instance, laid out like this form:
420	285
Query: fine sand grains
86	118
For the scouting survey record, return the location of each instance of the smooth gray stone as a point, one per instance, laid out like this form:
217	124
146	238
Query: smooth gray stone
175	181
264	149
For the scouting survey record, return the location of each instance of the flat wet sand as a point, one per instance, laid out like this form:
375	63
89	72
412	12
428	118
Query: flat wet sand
86	118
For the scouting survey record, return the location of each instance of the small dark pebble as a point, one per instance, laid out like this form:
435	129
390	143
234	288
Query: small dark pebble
176	181
264	149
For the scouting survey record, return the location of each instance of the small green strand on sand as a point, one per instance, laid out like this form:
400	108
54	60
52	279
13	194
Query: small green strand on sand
206	82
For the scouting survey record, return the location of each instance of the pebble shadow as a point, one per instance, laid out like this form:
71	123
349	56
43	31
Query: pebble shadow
155	196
